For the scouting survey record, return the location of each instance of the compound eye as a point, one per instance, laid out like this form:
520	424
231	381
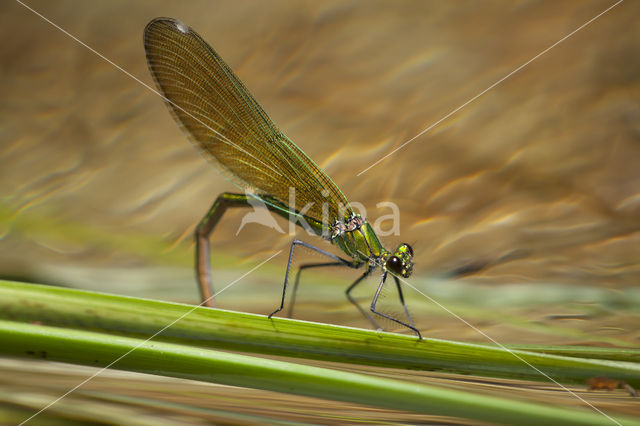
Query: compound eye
409	248
394	264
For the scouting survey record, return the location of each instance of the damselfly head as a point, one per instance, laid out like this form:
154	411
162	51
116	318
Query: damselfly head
401	261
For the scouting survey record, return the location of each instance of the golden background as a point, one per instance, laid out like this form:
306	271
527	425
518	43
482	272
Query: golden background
528	194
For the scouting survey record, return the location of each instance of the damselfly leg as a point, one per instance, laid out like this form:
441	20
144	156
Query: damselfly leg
347	291
294	292
203	232
337	261
375	301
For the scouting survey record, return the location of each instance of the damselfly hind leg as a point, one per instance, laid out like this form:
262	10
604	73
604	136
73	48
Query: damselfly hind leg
375	300
203	232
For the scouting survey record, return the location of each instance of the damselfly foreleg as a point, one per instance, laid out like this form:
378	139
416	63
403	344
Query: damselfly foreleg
375	300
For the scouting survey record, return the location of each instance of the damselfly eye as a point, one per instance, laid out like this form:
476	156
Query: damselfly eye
409	248
394	264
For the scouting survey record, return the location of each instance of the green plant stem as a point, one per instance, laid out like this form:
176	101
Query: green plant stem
251	333
101	350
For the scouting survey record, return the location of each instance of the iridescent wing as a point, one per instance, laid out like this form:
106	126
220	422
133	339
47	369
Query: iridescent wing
224	121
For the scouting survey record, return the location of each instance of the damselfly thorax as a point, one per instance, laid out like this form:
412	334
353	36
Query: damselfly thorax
356	237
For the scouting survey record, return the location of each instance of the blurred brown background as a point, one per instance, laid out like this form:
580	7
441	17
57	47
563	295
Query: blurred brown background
531	190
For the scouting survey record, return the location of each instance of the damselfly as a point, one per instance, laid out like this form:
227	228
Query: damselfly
224	121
